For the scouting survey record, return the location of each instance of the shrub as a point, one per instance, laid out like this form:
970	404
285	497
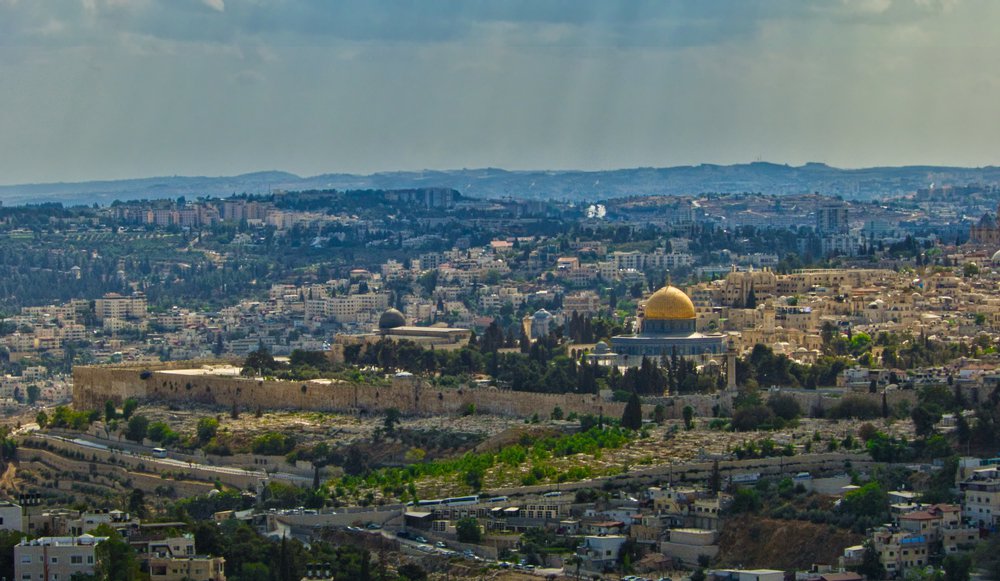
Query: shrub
856	407
207	428
752	417
273	444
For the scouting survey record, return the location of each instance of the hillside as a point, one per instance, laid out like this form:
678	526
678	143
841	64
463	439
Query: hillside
493	183
754	541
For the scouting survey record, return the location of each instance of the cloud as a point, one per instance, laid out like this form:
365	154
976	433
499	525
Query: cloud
217	5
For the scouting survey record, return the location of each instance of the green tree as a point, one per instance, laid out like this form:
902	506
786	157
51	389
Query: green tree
688	413
206	429
632	416
116	559
7	541
137	503
957	567
110	412
468	530
784	406
870	500
255	572
659	413
924	417
392	416
128	407
871	567
136	428
258	362
745	500
33	393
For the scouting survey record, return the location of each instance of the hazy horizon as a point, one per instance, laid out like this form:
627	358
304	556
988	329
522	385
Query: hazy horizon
101	90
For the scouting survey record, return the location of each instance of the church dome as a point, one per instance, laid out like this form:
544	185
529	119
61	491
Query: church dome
996	257
669	303
391	319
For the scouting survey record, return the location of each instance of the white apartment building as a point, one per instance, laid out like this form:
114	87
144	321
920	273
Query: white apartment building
55	558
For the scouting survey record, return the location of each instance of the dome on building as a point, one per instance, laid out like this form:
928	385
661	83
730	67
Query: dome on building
669	303
391	319
541	315
996	257
601	348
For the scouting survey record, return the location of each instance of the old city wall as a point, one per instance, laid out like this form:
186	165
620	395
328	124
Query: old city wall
92	386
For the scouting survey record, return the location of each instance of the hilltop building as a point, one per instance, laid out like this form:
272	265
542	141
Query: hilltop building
667	328
986	231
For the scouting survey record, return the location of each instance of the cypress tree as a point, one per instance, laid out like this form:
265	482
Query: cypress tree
632	416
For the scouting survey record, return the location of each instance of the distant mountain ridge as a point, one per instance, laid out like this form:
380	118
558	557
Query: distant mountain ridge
573	185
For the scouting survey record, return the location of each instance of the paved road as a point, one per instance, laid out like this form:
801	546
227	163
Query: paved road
146	455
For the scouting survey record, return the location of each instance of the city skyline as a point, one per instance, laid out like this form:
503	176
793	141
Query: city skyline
110	89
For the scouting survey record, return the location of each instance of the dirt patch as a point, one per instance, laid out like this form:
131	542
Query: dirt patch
753	542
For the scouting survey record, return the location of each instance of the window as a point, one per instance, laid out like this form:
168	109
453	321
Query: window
76	559
25	558
55	560
90	559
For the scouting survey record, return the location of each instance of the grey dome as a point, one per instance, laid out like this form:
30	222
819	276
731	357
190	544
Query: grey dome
391	319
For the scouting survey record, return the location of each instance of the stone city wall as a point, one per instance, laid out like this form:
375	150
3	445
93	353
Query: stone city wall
92	386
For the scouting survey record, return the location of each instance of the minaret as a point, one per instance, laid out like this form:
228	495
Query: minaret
730	366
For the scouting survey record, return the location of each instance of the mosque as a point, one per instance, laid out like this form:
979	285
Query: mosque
667	327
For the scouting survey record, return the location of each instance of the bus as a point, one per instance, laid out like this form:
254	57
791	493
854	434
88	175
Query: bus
461	500
159	453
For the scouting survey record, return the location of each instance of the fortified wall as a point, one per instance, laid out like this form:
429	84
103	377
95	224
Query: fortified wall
92	386
173	382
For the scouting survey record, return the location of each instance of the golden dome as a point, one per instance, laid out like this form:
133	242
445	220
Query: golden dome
669	303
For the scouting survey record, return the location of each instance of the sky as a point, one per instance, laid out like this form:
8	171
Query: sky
108	89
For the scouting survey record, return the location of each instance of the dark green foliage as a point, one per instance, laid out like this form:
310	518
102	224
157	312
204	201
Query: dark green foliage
468	530
764	368
162	433
64	417
128	408
116	559
137	503
855	407
745	500
924	417
392	416
957	567
206	429
885	449
752	417
688	413
259	362
273	444
632	416
870	565
7	541
137	428
784	406
871	500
